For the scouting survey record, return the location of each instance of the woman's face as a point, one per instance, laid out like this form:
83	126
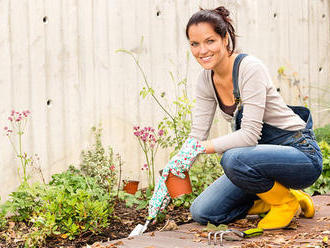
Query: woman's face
206	45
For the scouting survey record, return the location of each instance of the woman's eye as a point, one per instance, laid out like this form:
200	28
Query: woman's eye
210	41
194	44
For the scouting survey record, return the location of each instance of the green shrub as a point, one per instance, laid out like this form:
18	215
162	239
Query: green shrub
323	133
69	205
100	164
322	185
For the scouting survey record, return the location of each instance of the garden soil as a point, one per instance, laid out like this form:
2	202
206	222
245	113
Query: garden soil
181	231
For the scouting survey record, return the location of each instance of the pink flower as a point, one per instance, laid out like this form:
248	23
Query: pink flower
6	128
112	167
10	118
161	132
12	112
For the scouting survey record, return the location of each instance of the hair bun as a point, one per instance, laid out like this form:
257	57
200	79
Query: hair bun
222	11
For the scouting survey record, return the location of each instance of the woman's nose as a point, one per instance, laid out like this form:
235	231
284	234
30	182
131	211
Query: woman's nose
203	49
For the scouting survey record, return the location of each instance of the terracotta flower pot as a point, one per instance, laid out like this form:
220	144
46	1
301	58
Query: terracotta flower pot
130	186
177	186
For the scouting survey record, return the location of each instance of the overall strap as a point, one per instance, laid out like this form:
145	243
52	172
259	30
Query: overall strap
236	93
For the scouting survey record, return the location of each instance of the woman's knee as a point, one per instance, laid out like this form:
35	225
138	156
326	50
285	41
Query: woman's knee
198	212
229	160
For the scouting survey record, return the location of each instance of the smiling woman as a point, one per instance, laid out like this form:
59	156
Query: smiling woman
272	147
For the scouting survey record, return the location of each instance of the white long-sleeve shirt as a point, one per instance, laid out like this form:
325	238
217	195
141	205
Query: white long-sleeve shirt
262	104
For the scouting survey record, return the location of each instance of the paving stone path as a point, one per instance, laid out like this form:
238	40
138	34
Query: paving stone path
305	233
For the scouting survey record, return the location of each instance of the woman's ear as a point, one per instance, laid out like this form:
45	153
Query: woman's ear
226	40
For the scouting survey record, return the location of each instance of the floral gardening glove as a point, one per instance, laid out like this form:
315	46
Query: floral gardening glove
180	163
184	159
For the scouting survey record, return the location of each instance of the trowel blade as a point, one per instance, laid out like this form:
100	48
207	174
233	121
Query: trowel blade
138	230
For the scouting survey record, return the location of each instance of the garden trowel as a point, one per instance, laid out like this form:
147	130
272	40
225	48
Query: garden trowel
139	229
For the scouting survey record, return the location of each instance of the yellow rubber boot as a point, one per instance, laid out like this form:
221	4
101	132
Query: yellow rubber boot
259	207
305	202
283	207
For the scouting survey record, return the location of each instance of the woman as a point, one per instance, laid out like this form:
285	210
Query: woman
273	148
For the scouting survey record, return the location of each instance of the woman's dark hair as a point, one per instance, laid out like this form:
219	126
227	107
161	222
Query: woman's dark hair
219	19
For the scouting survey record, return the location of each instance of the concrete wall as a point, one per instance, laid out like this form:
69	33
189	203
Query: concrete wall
58	59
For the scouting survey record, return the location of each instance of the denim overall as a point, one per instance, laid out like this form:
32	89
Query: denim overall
292	158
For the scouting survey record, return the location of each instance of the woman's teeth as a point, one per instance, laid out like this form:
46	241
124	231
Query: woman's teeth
205	59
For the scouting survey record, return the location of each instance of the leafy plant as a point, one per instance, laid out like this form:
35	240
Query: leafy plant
24	201
139	200
101	164
323	133
322	185
71	204
176	123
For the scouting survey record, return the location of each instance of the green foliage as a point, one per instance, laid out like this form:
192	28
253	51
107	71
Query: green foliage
177	129
3	219
176	123
139	200
322	185
323	133
204	172
69	205
24	201
99	163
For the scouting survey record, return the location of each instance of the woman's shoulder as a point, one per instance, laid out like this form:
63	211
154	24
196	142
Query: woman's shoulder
251	61
204	75
204	82
251	65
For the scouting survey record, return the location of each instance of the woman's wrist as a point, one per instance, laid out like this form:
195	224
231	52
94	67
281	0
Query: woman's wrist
208	146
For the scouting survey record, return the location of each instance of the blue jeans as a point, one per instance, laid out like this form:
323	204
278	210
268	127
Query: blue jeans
292	158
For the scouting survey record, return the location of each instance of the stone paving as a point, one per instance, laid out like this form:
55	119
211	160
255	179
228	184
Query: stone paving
308	233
